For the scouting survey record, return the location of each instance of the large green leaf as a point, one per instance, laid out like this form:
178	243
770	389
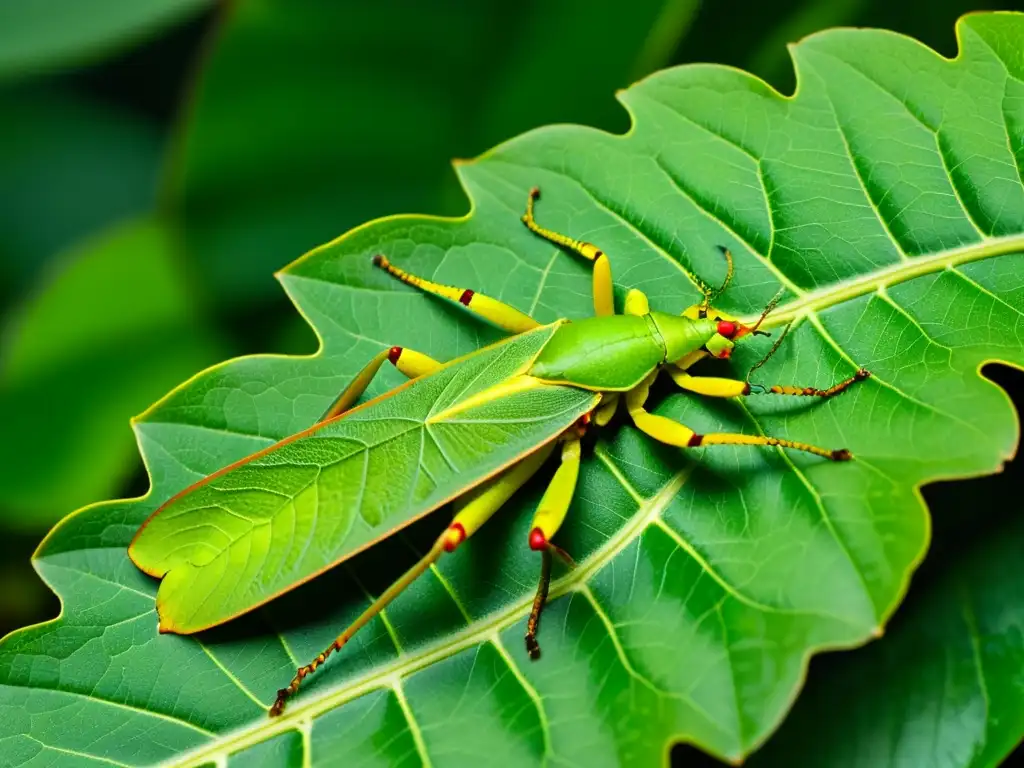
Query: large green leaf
114	326
886	196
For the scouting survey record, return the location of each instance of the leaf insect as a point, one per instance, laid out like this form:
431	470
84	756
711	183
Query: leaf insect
471	431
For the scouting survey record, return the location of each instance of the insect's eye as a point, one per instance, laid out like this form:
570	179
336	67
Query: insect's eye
726	329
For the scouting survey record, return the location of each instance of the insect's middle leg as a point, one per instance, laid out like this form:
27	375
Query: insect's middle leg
604	301
476	508
671	432
502	315
408	361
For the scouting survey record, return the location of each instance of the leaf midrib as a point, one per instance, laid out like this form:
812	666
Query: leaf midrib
896	273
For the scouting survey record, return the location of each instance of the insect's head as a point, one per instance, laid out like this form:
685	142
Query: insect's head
724	330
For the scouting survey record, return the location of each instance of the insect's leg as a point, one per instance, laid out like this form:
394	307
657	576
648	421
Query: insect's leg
718	387
636	303
710	386
604	302
671	432
835	389
484	502
408	361
546	521
606	409
502	315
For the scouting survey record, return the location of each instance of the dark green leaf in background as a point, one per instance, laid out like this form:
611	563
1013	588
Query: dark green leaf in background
69	167
42	34
311	117
114	325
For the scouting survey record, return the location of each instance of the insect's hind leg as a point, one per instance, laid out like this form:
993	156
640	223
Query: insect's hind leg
407	361
547	520
479	505
502	315
665	430
604	300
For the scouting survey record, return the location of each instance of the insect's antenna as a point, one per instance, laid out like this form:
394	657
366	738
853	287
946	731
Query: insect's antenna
767	310
711	293
772	351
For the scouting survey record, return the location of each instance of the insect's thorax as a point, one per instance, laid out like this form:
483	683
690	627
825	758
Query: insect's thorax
615	352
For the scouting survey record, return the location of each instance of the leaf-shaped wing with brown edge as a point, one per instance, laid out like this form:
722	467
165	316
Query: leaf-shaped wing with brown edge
260	528
886	196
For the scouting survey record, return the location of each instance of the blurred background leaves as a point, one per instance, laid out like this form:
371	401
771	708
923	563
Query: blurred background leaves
159	159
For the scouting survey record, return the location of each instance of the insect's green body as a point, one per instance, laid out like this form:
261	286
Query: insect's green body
614	353
471	431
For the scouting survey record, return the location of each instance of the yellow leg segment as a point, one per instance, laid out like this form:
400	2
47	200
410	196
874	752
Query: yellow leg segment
660	428
671	432
606	409
708	385
408	361
547	520
636	303
494	311
553	506
604	301
485	501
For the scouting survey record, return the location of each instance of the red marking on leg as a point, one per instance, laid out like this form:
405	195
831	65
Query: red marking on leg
538	541
393	354
695	440
725	354
466	297
746	388
454	536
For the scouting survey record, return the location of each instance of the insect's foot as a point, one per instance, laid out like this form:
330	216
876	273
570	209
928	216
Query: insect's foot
841	455
380	260
278	706
861	374
535	193
532	647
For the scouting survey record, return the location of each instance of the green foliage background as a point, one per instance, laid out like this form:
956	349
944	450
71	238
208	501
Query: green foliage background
157	166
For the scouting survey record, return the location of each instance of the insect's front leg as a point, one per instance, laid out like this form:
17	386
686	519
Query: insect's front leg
408	361
476	508
604	299
711	386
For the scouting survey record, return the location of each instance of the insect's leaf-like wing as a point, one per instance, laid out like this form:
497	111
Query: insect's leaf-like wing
258	529
886	197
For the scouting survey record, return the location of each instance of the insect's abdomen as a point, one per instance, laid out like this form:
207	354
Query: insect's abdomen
609	354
